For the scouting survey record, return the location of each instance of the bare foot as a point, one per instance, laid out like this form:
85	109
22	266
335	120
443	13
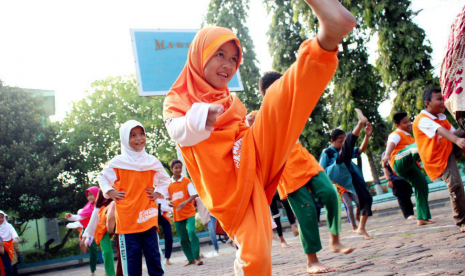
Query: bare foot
361	118
357	217
354	228
364	234
285	245
421	222
168	262
462	227
199	262
412	217
189	263
318	267
340	248
295	229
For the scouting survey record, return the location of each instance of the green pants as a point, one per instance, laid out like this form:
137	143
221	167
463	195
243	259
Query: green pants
189	242
304	209
107	254
93	256
405	166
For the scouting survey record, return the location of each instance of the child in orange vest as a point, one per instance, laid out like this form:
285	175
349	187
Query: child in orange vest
181	195
435	138
402	154
129	179
301	174
236	168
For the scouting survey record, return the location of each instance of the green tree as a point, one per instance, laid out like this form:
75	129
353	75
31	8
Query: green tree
232	14
285	36
90	131
31	164
404	54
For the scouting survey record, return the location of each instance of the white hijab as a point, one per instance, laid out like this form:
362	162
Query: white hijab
5	229
129	159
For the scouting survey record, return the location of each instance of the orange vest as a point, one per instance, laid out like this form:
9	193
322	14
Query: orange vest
9	248
300	167
135	213
101	226
434	152
179	193
405	140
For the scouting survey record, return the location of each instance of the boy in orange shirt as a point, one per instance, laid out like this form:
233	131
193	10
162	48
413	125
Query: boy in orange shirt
435	138
181	195
402	154
236	168
136	212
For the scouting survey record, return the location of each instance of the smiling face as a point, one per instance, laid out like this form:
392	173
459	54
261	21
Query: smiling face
436	105
137	138
405	124
222	66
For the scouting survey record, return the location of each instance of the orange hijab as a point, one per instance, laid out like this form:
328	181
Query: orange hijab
191	86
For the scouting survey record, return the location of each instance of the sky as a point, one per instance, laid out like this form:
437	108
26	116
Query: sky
66	45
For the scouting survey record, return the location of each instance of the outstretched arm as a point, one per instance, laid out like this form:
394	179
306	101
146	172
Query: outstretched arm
451	137
335	22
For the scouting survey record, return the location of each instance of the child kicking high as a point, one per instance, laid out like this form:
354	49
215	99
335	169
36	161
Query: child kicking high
402	154
337	161
236	168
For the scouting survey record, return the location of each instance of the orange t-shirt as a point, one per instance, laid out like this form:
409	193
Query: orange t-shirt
135	213
405	140
9	248
101	226
300	167
225	169
434	152
179	193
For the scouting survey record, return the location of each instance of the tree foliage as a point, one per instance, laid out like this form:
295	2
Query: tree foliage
90	131
404	54
30	161
232	14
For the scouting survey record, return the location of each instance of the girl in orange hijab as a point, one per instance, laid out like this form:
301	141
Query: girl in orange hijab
236	168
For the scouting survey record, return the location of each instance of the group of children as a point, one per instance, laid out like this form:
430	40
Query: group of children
238	162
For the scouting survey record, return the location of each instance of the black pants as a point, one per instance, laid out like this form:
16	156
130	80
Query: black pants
168	235
345	156
403	191
7	264
274	207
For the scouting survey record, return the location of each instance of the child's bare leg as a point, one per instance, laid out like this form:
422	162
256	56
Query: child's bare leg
335	22
111	220
421	222
361	228
315	266
284	243
362	121
295	229
337	246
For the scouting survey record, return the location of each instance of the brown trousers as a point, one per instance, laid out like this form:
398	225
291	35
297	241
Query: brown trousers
454	183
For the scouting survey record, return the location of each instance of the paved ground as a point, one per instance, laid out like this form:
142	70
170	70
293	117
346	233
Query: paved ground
399	247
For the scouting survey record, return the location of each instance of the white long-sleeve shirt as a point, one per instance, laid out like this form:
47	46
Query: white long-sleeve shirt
191	129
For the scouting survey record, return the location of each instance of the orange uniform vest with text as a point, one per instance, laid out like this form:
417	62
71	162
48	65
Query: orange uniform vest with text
135	213
434	152
405	140
300	167
101	229
179	193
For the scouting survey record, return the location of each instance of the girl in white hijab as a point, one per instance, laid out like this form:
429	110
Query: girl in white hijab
10	240
134	180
